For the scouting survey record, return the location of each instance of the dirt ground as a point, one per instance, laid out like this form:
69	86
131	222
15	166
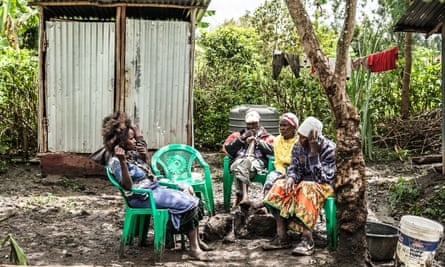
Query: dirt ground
78	220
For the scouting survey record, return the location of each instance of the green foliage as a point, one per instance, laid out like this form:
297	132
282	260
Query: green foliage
275	28
426	93
18	101
229	46
18	25
71	185
407	198
234	66
433	206
226	74
16	256
378	95
404	194
3	166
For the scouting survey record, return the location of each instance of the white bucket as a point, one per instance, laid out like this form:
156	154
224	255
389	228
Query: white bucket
418	240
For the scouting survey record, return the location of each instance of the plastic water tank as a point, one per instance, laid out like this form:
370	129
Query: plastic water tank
269	118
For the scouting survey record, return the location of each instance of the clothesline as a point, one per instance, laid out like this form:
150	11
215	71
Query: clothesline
376	62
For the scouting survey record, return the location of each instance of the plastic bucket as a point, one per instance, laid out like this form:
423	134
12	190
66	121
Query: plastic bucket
418	240
382	240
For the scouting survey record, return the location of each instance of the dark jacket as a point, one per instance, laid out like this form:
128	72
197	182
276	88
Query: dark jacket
235	147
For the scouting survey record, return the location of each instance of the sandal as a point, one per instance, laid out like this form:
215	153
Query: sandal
306	247
278	243
262	210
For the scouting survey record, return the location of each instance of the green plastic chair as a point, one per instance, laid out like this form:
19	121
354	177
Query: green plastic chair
329	204
183	163
228	179
137	220
330	210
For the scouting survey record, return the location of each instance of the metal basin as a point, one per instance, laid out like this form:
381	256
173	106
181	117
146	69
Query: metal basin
382	240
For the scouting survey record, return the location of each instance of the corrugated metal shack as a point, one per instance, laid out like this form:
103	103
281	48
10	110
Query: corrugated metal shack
97	57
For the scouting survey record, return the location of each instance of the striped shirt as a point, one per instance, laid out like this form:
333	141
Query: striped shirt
318	168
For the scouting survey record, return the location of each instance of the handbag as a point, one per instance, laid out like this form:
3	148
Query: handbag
100	156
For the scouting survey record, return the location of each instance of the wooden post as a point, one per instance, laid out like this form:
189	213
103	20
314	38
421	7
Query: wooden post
190	130
119	101
443	101
42	121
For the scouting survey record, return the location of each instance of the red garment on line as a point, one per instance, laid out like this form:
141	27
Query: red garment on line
383	61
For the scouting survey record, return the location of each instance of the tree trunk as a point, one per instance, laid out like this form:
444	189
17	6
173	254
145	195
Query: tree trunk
351	180
405	104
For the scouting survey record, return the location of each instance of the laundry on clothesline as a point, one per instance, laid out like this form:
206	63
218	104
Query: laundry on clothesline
383	61
281	59
376	62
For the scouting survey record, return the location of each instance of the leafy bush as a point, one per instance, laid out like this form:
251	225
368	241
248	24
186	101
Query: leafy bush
230	70
18	101
433	206
407	197
404	194
226	74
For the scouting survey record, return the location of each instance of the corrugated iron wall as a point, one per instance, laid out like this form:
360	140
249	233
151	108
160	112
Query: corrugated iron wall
80	69
157	79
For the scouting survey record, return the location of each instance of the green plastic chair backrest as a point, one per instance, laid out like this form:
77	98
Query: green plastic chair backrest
116	184
177	161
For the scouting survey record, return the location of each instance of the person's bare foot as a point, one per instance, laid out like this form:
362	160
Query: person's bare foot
198	255
204	246
236	202
229	238
245	203
253	204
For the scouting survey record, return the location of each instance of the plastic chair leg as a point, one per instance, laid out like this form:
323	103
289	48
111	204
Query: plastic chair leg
210	200
143	225
127	232
331	222
227	187
205	195
160	228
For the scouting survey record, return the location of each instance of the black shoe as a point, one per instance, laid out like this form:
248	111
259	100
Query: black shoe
305	247
278	243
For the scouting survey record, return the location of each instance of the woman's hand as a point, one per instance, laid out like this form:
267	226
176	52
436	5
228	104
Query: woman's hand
245	135
141	149
314	141
281	176
136	130
289	185
249	136
251	139
119	152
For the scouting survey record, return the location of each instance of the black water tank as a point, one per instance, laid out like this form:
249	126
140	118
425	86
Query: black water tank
269	118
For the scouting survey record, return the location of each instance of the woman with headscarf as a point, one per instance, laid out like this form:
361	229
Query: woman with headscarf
283	144
296	201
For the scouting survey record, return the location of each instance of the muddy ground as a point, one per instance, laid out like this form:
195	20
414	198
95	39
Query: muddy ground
78	220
